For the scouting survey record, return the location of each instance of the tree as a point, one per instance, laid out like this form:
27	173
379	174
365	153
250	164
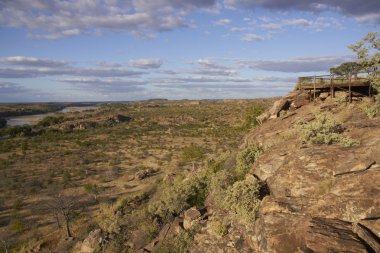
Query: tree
344	70
368	53
63	205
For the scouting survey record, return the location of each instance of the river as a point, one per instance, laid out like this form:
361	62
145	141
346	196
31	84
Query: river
33	119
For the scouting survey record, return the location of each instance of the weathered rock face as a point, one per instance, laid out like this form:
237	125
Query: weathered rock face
92	243
323	198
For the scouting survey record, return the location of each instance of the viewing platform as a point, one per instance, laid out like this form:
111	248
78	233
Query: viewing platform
356	84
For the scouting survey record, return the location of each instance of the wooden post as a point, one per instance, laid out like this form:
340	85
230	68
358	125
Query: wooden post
315	80
349	88
332	94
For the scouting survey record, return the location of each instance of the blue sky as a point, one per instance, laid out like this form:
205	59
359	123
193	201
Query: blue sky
105	50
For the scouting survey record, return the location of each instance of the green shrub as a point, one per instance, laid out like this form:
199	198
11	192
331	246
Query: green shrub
371	109
242	198
324	130
24	130
18	226
175	198
340	98
218	228
250	120
245	159
109	219
51	120
181	243
92	189
219	184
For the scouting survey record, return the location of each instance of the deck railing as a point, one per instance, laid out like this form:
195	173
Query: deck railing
330	82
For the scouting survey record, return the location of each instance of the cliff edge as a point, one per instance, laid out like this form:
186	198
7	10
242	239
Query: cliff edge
320	166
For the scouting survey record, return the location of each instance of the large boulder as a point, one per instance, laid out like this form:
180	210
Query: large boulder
93	242
277	107
190	216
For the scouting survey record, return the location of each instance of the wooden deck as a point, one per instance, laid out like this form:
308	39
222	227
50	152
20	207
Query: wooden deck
329	83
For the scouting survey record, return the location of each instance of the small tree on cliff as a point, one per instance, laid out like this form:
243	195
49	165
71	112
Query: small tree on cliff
368	53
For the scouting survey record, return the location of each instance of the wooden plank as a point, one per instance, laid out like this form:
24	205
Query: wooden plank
349	89
315	80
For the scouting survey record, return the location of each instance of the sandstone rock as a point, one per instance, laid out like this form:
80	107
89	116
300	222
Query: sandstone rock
138	240
368	236
92	243
190	216
279	105
263	117
323	198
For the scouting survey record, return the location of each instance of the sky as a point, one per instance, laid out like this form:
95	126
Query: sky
123	50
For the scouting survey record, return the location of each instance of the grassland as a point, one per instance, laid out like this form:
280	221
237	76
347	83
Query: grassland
101	164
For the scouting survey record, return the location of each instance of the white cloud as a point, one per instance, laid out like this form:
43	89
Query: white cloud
32	61
367	11
296	65
251	37
317	24
223	22
24	67
112	85
145	63
56	19
13	92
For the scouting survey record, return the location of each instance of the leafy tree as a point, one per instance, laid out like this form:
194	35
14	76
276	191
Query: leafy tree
344	70
368	53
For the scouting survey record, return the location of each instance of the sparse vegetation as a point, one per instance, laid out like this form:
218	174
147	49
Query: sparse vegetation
242	198
370	109
324	130
99	163
179	244
218	228
245	159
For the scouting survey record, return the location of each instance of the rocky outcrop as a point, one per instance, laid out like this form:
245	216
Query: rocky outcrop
292	101
320	198
323	198
92	244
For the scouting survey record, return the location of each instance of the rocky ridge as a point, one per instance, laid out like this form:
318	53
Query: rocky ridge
322	198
